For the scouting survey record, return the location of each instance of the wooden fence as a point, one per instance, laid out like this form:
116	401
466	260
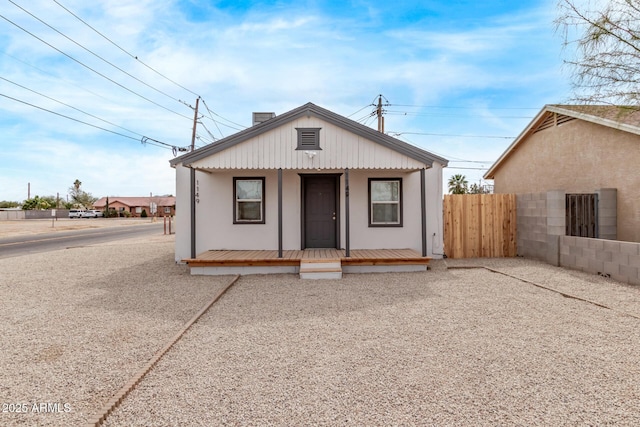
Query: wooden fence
480	225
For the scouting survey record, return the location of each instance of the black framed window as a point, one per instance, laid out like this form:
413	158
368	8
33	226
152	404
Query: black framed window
308	139
385	202
248	200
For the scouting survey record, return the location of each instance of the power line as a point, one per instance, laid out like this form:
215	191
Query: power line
426	114
475	169
461	107
70	106
450	134
432	151
212	113
213	138
89	68
175	149
366	117
152	69
115	66
53	75
123	50
144	140
353	114
471	161
94	54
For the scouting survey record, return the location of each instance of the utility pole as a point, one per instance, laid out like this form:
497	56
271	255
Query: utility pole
193	184
380	117
195	122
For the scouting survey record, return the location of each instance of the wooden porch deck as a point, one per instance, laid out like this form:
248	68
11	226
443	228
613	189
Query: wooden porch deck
237	258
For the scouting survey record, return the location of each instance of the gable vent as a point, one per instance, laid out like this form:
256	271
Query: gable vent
562	119
548	122
553	119
308	139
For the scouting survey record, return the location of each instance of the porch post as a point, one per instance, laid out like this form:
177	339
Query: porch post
193	212
280	213
347	247
423	198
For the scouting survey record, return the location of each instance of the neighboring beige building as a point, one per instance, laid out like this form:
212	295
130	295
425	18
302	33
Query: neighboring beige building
578	149
308	178
153	205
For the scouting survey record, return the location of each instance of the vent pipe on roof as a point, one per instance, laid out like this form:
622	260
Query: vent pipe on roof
262	117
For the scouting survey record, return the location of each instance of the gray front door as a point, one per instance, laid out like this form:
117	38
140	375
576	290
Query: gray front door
320	211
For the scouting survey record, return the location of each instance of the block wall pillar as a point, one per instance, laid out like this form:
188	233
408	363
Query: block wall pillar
556	224
607	213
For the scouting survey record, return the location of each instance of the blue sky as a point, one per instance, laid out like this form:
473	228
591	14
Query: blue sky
462	79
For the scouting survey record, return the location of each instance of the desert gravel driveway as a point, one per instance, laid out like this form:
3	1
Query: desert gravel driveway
444	347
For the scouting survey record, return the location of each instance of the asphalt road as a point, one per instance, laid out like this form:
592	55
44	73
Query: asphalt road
22	245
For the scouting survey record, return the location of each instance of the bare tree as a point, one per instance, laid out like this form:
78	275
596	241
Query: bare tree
606	36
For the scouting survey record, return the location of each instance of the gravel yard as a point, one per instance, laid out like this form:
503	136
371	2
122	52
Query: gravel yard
445	347
78	323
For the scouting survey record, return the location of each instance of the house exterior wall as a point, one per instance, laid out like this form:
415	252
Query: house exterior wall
214	212
578	157
409	235
183	214
118	206
340	149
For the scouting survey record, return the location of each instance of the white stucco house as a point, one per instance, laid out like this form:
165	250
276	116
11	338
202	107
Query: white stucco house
303	180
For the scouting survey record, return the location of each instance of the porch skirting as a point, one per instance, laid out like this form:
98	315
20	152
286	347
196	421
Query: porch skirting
221	262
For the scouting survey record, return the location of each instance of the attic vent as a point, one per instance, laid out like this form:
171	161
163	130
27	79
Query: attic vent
262	117
548	122
562	119
308	139
553	119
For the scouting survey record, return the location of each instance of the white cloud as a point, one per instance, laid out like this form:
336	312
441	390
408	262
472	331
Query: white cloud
260	60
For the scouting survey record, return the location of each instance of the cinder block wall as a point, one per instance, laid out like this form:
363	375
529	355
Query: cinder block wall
618	260
607	213
11	215
541	221
556	224
46	214
531	224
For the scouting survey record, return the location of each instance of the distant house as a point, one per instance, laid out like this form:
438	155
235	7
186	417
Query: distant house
579	149
308	179
134	206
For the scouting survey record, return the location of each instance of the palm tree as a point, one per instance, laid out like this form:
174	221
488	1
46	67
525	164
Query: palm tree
457	184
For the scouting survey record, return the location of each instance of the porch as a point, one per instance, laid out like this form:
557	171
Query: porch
267	261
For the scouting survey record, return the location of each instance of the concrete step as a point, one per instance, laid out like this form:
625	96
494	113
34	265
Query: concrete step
320	269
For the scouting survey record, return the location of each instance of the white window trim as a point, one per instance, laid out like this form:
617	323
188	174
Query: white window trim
236	201
398	203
